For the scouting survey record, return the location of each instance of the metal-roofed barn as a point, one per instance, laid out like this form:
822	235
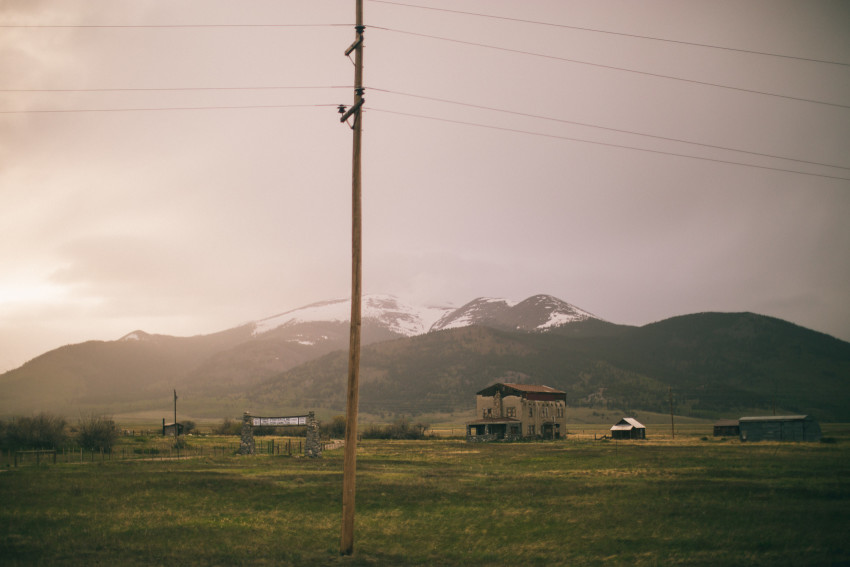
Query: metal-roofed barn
628	428
780	428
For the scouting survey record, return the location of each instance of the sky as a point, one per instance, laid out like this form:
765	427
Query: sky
180	167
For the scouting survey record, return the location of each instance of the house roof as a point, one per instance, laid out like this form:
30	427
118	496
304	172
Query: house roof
776	418
524	390
626	424
539	388
726	423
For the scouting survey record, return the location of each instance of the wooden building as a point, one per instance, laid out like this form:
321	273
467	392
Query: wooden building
168	428
628	428
508	411
779	428
727	428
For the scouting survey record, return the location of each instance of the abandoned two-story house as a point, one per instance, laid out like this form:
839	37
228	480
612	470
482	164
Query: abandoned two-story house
513	411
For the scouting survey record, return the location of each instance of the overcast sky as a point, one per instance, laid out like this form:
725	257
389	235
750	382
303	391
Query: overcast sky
502	157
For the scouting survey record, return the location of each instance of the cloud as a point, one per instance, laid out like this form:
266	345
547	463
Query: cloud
190	221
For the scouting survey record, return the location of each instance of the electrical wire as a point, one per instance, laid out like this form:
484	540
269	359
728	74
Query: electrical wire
169	108
461	122
612	67
168	26
422	97
607	144
622	34
169	89
632	132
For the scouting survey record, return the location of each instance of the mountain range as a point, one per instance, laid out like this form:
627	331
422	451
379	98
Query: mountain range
419	359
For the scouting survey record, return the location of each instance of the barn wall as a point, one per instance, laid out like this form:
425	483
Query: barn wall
780	430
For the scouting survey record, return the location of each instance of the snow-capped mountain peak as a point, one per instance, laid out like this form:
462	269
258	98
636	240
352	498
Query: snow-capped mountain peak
386	310
477	311
537	313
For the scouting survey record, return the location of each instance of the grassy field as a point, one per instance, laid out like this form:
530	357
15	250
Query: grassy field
692	500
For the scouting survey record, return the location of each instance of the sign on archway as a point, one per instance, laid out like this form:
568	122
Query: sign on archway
312	444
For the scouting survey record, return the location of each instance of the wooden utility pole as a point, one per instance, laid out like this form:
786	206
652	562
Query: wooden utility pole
346	543
175	417
672	427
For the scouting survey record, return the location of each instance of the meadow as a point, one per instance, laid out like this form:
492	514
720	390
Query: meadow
692	500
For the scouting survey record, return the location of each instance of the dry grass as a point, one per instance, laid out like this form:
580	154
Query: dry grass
574	502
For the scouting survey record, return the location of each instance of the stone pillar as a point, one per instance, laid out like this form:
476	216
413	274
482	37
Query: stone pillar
246	445
313	443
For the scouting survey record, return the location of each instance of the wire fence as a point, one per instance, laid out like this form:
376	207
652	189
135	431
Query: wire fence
34	457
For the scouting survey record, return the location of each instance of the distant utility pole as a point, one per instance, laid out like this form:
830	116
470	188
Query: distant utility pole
672	427
346	543
175	416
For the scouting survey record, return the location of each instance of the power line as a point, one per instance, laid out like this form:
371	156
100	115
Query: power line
666	138
156	109
607	144
153	89
168	26
612	67
374	89
596	30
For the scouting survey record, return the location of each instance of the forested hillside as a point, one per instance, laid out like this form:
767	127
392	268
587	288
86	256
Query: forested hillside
711	365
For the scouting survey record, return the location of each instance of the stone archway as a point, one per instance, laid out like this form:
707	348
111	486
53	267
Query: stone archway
312	444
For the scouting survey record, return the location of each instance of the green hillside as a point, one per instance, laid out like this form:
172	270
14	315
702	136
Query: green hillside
128	373
713	365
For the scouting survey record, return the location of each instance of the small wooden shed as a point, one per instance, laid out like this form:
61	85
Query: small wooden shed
780	428
727	428
168	428
628	428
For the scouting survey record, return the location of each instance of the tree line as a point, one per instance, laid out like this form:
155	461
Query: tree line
100	433
47	431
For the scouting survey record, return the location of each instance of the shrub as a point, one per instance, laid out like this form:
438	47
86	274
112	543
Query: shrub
334	429
96	433
264	430
399	429
43	431
228	427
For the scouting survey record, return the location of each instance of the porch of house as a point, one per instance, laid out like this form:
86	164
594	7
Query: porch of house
493	429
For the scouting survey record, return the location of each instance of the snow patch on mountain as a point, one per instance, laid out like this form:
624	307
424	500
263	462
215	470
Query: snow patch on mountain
544	312
558	318
386	310
135	336
472	313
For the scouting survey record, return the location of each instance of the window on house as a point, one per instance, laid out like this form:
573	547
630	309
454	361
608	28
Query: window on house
530	411
511	412
530	430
